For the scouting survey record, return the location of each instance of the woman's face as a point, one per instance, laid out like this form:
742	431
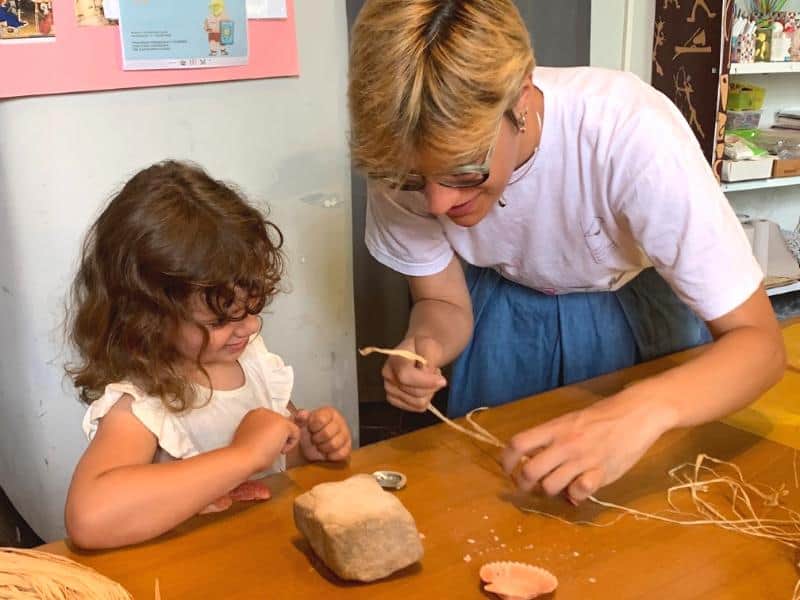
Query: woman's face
468	206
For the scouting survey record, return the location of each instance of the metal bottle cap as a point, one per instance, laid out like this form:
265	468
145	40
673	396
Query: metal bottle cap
390	480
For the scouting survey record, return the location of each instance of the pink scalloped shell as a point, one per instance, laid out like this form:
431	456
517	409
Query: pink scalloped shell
516	580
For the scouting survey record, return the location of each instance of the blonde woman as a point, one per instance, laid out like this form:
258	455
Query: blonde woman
593	232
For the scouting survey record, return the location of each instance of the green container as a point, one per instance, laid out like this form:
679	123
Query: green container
745	96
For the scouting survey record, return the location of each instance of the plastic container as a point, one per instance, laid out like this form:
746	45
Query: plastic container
743	119
745	96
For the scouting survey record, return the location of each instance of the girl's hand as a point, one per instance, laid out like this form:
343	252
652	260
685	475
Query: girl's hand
584	450
262	435
410	385
249	490
324	434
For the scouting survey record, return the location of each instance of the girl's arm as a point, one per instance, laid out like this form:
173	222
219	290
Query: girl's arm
119	497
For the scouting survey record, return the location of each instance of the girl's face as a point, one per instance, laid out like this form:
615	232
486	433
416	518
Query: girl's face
226	340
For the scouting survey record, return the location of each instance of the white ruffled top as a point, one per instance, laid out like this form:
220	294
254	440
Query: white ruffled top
268	383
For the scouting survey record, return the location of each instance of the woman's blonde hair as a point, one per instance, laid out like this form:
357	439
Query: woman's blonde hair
432	76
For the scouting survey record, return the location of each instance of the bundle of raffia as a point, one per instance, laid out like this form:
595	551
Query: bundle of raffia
35	575
717	491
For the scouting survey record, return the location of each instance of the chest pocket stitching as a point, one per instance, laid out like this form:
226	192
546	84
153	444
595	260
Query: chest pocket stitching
597	240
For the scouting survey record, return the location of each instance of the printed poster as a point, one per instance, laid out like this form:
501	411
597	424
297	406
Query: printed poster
94	13
26	21
165	34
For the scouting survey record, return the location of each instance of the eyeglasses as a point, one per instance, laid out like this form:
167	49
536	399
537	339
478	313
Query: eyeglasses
468	176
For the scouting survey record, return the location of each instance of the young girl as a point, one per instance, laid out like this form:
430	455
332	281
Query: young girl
165	319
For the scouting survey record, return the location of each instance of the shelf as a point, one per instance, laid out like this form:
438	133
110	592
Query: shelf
759	184
784	289
764	67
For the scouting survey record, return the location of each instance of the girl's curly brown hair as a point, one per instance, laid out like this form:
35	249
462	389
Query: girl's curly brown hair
171	232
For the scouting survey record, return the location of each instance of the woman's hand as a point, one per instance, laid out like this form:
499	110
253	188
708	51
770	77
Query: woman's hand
324	434
262	435
584	450
410	385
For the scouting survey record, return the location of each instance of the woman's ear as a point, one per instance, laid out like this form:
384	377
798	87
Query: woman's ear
524	97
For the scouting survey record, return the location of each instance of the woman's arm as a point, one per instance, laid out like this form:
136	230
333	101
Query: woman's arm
119	497
439	328
747	358
587	449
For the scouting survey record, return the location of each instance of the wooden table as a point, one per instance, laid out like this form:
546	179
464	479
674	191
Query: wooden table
469	514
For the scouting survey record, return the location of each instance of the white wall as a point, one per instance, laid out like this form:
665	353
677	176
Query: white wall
282	140
608	45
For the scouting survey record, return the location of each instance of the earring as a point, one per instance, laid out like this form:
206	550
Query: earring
522	120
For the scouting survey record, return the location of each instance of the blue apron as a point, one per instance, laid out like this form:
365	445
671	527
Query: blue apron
525	342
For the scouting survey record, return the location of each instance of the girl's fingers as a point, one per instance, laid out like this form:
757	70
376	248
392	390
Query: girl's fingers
334	443
342	453
326	434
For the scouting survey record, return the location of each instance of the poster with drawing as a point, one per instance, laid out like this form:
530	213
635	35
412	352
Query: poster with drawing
93	13
86	54
26	21
163	34
689	41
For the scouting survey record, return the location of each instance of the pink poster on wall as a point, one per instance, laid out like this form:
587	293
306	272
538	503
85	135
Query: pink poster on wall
66	46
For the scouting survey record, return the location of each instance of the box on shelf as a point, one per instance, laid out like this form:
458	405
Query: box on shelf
745	96
743	119
786	168
741	170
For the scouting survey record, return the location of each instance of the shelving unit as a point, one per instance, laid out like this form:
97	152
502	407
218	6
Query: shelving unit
763	68
784	289
759	68
759	184
692	67
777	69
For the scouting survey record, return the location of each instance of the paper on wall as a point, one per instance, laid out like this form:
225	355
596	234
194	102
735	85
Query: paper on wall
111	9
266	9
163	34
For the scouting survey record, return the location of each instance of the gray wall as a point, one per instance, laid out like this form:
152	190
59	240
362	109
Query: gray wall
560	30
282	140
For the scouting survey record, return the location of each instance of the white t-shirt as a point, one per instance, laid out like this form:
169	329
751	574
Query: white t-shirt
619	183
268	383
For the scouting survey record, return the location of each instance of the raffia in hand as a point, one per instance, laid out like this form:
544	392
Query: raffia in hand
725	500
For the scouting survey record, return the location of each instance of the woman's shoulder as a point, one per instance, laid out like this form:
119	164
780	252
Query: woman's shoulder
609	94
578	82
611	109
